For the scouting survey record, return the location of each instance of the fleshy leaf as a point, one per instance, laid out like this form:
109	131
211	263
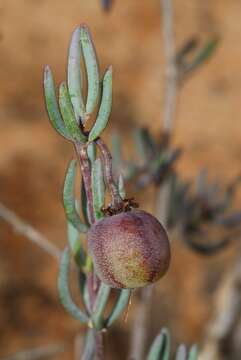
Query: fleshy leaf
68	114
203	55
100	305
119	307
91	151
181	353
98	188
64	291
69	199
193	353
160	348
76	245
52	105
74	75
105	107
92	69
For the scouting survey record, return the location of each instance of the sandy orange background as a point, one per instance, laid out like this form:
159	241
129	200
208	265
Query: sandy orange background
33	157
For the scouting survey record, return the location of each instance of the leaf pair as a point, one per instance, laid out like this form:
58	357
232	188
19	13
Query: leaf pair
160	349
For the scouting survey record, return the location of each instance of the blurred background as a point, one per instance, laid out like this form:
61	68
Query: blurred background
33	158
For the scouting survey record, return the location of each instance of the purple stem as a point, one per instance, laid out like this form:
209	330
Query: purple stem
107	161
91	277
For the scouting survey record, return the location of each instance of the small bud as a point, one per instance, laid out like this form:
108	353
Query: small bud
129	250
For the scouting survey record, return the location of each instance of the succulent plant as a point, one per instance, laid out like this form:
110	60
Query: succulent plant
140	248
129	250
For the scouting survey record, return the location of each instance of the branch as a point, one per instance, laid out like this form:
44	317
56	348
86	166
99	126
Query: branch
140	327
171	71
223	334
23	228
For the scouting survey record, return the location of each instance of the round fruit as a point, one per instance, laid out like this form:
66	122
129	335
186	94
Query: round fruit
129	250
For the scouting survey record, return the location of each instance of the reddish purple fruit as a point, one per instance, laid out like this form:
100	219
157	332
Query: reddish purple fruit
129	250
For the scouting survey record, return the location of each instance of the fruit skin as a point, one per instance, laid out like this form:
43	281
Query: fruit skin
129	250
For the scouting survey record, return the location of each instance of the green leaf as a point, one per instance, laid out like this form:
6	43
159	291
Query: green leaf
160	348
91	151
181	353
166	346
64	291
92	70
76	245
100	305
68	115
98	188
105	107
52	105
119	307
121	187
193	353
83	286
74	75
69	199
203	55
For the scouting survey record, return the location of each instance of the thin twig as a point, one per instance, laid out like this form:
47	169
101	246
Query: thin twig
171	71
23	228
140	326
92	280
224	331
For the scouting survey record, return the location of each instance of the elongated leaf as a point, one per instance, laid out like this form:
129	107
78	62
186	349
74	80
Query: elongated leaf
74	75
91	151
92	69
181	353
85	291
52	105
64	291
119	307
157	347
166	346
69	199
145	145
68	114
76	245
193	353
206	52
98	188
203	55
100	305
105	107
